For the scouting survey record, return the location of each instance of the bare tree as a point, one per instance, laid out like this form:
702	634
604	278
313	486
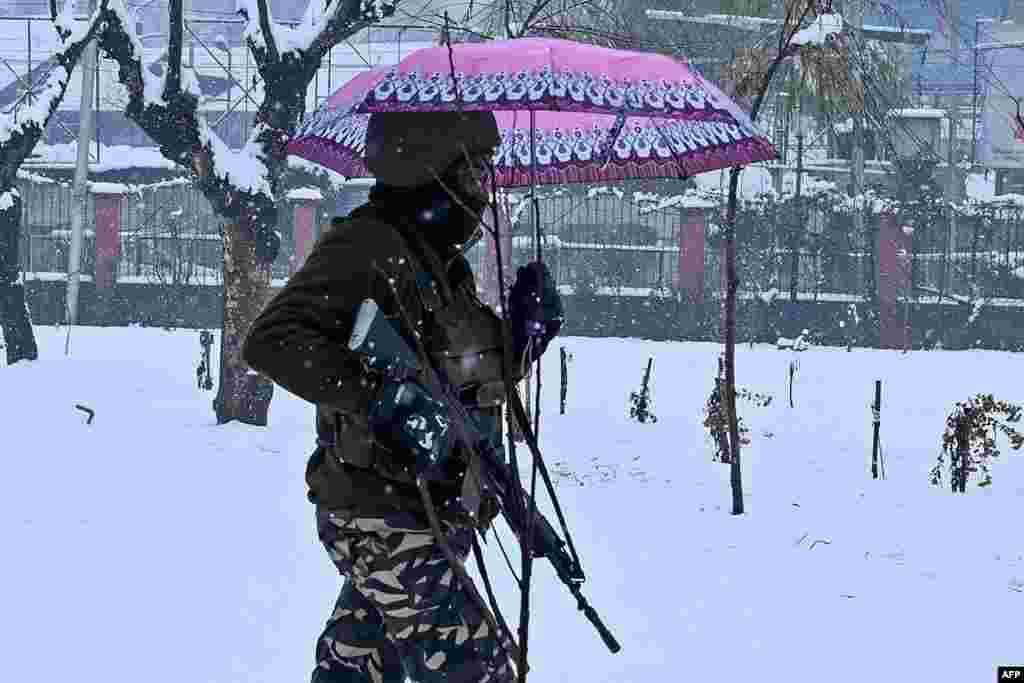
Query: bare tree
241	185
21	128
752	73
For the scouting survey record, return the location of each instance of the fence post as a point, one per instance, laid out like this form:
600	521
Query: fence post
876	415
895	253
305	202
565	379
690	276
107	200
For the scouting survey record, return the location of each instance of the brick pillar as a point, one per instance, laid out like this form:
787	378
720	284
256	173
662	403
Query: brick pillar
107	198
690	275
895	250
305	204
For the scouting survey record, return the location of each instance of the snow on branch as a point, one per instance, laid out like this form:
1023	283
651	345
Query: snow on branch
8	199
18	138
820	31
169	116
266	28
332	180
341	19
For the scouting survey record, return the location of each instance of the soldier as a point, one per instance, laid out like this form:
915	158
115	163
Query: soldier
402	613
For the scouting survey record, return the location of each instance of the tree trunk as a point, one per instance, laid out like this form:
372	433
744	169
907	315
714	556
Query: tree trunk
15	319
729	397
723	436
243	394
963	449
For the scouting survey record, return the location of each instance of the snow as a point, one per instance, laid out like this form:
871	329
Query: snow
35	177
244	167
755	181
111	158
820	30
603	190
980	186
67	20
36	112
333	178
109	188
811	185
164	530
152	85
798	344
306	193
689	200
7	198
286	38
920	113
845	126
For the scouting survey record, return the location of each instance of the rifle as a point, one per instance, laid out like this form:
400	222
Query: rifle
386	353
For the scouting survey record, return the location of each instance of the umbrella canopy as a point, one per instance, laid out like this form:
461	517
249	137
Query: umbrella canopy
542	74
569	147
596	114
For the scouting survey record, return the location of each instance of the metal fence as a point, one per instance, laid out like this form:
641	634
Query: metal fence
595	240
612	242
601	241
979	258
169	235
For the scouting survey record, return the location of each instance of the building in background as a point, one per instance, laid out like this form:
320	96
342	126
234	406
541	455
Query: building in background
214	51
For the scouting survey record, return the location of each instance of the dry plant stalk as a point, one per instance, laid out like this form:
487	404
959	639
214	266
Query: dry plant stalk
829	72
747	71
827	68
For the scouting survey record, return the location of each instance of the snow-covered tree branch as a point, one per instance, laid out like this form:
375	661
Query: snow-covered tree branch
18	138
241	185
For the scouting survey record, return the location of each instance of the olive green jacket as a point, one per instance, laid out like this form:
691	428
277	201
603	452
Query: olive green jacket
300	342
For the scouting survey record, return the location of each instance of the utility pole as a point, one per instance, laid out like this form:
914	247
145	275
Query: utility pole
80	189
952	196
856	23
798	229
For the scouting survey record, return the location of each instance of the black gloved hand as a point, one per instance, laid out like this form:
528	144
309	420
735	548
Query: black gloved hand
407	421
535	309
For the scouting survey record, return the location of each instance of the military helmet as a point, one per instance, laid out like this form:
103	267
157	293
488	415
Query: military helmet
408	149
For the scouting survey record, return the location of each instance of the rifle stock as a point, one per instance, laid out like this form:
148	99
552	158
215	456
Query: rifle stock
386	352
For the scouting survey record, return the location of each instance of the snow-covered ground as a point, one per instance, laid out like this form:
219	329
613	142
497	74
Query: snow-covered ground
153	545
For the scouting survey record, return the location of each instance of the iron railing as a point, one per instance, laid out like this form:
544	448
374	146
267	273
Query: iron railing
597	242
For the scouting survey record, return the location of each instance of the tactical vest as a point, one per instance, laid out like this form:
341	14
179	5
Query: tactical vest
463	337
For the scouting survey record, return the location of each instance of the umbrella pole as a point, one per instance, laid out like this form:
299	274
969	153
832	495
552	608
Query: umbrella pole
538	252
527	542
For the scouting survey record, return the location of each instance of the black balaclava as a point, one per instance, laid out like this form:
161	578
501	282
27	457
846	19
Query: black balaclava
448	225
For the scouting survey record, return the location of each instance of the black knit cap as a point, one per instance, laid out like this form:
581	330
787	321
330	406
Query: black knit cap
408	149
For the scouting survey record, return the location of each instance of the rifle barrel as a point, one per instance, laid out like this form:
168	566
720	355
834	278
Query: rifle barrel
594	618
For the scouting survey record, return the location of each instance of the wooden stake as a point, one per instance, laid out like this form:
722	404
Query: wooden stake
565	380
876	419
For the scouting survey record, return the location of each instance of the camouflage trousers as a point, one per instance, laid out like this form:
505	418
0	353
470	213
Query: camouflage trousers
402	612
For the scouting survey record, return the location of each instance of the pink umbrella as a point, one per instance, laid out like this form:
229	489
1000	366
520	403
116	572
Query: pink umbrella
541	74
575	98
569	147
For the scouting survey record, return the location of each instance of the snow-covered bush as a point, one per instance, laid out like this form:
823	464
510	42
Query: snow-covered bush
716	415
970	439
641	402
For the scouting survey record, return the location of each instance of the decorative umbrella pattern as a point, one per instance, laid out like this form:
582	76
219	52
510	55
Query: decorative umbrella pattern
542	74
569	147
592	115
